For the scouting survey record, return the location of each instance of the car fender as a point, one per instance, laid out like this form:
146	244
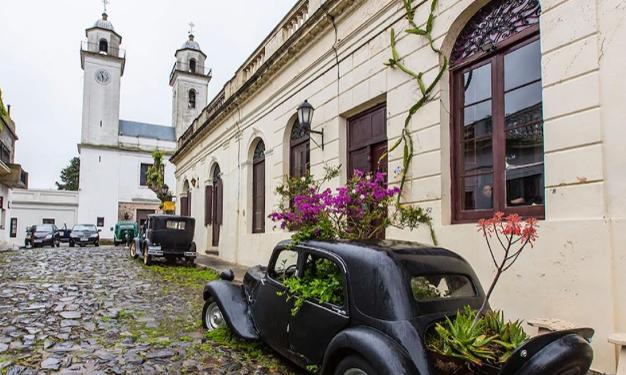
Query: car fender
374	346
234	307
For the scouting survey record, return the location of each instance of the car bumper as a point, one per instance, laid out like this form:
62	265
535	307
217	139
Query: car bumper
84	241
157	251
40	242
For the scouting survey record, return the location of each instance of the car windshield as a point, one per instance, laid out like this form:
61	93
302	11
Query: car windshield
127	226
43	228
441	286
82	228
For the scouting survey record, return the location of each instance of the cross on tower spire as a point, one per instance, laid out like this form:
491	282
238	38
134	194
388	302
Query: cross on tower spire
191	25
104	3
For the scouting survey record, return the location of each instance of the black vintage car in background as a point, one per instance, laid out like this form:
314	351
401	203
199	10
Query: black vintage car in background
168	236
84	234
42	235
379	325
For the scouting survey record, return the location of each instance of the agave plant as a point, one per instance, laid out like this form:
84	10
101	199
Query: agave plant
510	335
460	338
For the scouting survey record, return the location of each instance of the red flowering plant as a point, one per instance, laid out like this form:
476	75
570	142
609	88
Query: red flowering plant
513	235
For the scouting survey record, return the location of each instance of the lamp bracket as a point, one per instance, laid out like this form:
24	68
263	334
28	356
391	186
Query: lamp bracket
318	133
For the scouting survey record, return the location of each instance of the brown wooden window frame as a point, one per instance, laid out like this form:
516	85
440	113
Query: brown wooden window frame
299	138
496	58
258	163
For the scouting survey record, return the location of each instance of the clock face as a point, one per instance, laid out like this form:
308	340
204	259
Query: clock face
103	77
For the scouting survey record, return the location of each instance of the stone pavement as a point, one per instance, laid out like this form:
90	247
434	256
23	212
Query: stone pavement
218	265
96	311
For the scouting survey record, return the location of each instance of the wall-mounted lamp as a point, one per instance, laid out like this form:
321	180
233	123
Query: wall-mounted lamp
305	117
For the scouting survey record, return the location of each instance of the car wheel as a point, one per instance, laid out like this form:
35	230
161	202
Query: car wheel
133	250
97	243
71	244
191	261
212	317
355	365
58	243
147	259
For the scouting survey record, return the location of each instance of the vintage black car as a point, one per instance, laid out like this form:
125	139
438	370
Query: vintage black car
84	234
168	236
42	235
379	326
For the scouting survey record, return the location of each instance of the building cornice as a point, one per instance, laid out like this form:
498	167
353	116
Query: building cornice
217	110
123	148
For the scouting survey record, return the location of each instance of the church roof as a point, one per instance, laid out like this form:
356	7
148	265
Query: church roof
104	23
191	44
145	130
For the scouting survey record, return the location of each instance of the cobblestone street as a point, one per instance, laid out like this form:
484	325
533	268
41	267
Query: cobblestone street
94	310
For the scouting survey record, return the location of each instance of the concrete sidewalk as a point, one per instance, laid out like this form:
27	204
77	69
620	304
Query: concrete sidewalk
218	265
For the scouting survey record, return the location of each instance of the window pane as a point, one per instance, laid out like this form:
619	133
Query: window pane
524	185
478	157
285	265
522	66
477	84
434	287
478	192
476	113
522	99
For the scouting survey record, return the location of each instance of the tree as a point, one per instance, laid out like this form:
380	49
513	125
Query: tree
70	175
155	177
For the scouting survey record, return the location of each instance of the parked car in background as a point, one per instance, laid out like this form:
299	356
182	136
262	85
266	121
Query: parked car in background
64	233
124	232
42	235
85	234
168	236
378	323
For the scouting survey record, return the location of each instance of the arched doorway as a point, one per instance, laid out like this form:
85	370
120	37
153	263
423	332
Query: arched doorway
217	205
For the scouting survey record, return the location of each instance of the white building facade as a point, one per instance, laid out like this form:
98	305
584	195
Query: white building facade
115	154
563	162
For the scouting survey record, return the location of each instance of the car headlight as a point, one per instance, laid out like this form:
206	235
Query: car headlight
94	235
74	235
48	237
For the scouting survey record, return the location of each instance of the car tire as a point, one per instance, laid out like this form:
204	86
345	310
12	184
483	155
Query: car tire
147	258
191	261
58	243
132	249
355	365
116	243
97	243
212	317
71	244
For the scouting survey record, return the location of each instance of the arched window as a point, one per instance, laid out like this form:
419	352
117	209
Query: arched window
192	98
185	200
299	150
258	188
103	46
214	196
192	65
497	118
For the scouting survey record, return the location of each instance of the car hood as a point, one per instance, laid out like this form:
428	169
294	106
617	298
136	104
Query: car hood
41	234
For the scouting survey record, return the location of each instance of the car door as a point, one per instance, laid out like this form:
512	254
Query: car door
315	324
270	309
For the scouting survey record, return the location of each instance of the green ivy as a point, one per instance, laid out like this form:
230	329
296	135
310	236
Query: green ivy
426	91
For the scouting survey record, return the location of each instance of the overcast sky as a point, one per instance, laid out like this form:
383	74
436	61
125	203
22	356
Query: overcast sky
41	78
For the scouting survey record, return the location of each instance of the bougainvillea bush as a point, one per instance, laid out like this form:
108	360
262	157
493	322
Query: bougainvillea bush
360	210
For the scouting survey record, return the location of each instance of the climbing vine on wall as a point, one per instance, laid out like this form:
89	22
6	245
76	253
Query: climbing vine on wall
426	91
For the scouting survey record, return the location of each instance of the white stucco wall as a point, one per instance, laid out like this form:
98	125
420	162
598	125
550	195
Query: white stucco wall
574	273
30	207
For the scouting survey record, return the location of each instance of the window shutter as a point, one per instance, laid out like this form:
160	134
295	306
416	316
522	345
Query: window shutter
208	205
183	206
219	203
189	203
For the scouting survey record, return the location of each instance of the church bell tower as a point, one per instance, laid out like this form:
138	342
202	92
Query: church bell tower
189	80
103	62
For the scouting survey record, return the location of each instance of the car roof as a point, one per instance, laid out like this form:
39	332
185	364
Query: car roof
379	272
